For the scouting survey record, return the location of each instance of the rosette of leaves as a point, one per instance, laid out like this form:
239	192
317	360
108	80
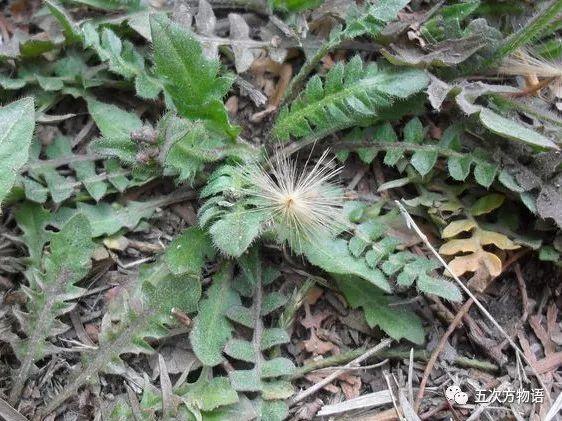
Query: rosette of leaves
195	131
369	253
366	250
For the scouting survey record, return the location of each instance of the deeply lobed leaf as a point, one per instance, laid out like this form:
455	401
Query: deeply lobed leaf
352	94
191	79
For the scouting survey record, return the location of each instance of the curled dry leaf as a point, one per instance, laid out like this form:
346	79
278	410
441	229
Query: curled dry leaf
477	258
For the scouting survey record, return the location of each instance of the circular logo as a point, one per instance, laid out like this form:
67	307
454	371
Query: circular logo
455	394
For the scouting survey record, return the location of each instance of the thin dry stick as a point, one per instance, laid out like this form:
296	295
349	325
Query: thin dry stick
412	224
429	366
411	376
315	387
8	412
394	403
452	326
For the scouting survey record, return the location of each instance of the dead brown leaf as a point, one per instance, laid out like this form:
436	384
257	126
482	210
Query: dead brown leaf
316	346
477	258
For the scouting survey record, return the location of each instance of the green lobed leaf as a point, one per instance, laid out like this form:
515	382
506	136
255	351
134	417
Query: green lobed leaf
211	330
191	80
49	292
108	219
333	256
352	95
192	144
137	313
187	253
235	232
397	322
240	350
208	395
258	378
440	287
32	219
17	121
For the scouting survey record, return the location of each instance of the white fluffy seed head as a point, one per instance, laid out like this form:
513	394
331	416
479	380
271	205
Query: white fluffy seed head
527	63
303	205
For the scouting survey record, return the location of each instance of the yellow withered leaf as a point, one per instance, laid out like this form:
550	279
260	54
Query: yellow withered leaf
499	240
473	261
456	227
478	258
460	245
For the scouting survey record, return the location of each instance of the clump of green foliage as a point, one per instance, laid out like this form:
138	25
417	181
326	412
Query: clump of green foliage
473	184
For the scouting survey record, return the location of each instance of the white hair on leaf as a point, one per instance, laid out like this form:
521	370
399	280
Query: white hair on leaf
305	205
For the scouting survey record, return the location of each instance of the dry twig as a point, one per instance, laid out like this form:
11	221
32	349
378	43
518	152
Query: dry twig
314	388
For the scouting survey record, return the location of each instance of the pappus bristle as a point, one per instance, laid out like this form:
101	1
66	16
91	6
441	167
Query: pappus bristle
526	63
538	72
304	204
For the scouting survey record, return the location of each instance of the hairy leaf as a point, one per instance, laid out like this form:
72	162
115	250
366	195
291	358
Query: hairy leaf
49	292
32	220
397	322
106	219
188	145
352	94
115	126
513	130
373	255
122	58
70	29
187	253
129	5
136	315
420	152
17	121
264	375
191	80
211	330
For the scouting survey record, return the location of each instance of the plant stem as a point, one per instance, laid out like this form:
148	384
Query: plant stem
393	354
298	81
385	343
525	34
403	146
